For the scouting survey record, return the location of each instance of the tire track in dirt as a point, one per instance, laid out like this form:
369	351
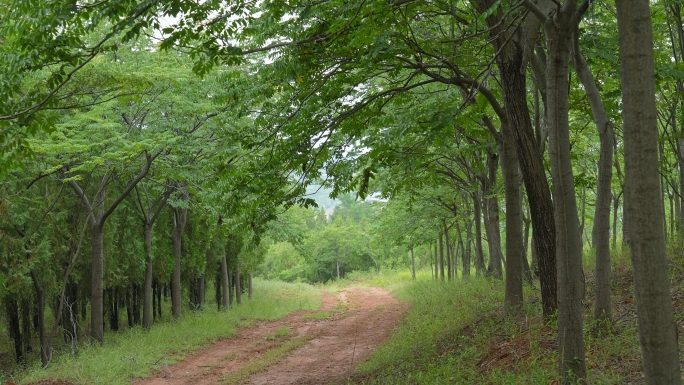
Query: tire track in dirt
361	319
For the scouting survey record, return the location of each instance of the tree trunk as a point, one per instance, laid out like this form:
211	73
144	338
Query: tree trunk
231	288
601	232
477	218
643	211
492	227
514	218
224	283
200	298
180	216
449	254
465	275
616	206
558	30
14	329
436	264
413	265
40	301
238	288
155	289
249	286
96	285
114	309
147	291
441	257
529	150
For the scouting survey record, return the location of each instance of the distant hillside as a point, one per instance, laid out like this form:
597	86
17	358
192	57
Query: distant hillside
322	196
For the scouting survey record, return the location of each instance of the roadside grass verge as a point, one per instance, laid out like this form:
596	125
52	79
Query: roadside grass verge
135	352
456	333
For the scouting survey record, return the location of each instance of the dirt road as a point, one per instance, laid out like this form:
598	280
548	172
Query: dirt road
345	331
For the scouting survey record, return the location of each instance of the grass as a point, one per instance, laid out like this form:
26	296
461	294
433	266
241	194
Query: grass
270	357
457	333
135	352
280	333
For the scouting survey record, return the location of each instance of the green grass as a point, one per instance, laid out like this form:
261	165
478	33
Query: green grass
445	335
280	333
457	333
135	352
271	357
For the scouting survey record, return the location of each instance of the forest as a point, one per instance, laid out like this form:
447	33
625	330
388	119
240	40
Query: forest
161	159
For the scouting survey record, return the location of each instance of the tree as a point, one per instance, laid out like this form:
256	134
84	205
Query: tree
644	211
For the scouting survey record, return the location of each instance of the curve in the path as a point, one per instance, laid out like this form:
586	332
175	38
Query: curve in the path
361	319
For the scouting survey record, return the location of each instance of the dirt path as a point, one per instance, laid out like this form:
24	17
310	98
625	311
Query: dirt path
359	319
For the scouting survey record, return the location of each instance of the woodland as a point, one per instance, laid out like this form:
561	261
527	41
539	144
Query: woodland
165	151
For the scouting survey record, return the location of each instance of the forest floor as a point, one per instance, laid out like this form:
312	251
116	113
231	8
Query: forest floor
303	348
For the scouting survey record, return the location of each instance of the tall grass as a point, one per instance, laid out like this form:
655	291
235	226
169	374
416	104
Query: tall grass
135	352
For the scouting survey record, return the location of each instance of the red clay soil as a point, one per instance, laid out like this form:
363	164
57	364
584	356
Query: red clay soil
362	318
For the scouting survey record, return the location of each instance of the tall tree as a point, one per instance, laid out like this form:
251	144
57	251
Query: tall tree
644	211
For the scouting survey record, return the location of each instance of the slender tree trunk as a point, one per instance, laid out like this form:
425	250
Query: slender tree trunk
249	286
465	275
224	283
477	218
448	250
180	216
41	319
201	291
159	300
436	264
238	288
231	287
514	218
155	290
441	257
601	232
492	217
147	291
413	265
643	211
14	329
558	30
509	45
97	276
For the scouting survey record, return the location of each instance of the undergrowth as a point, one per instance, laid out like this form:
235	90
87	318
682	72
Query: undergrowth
456	333
135	352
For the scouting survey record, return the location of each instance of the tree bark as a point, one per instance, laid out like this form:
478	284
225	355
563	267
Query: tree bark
642	210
